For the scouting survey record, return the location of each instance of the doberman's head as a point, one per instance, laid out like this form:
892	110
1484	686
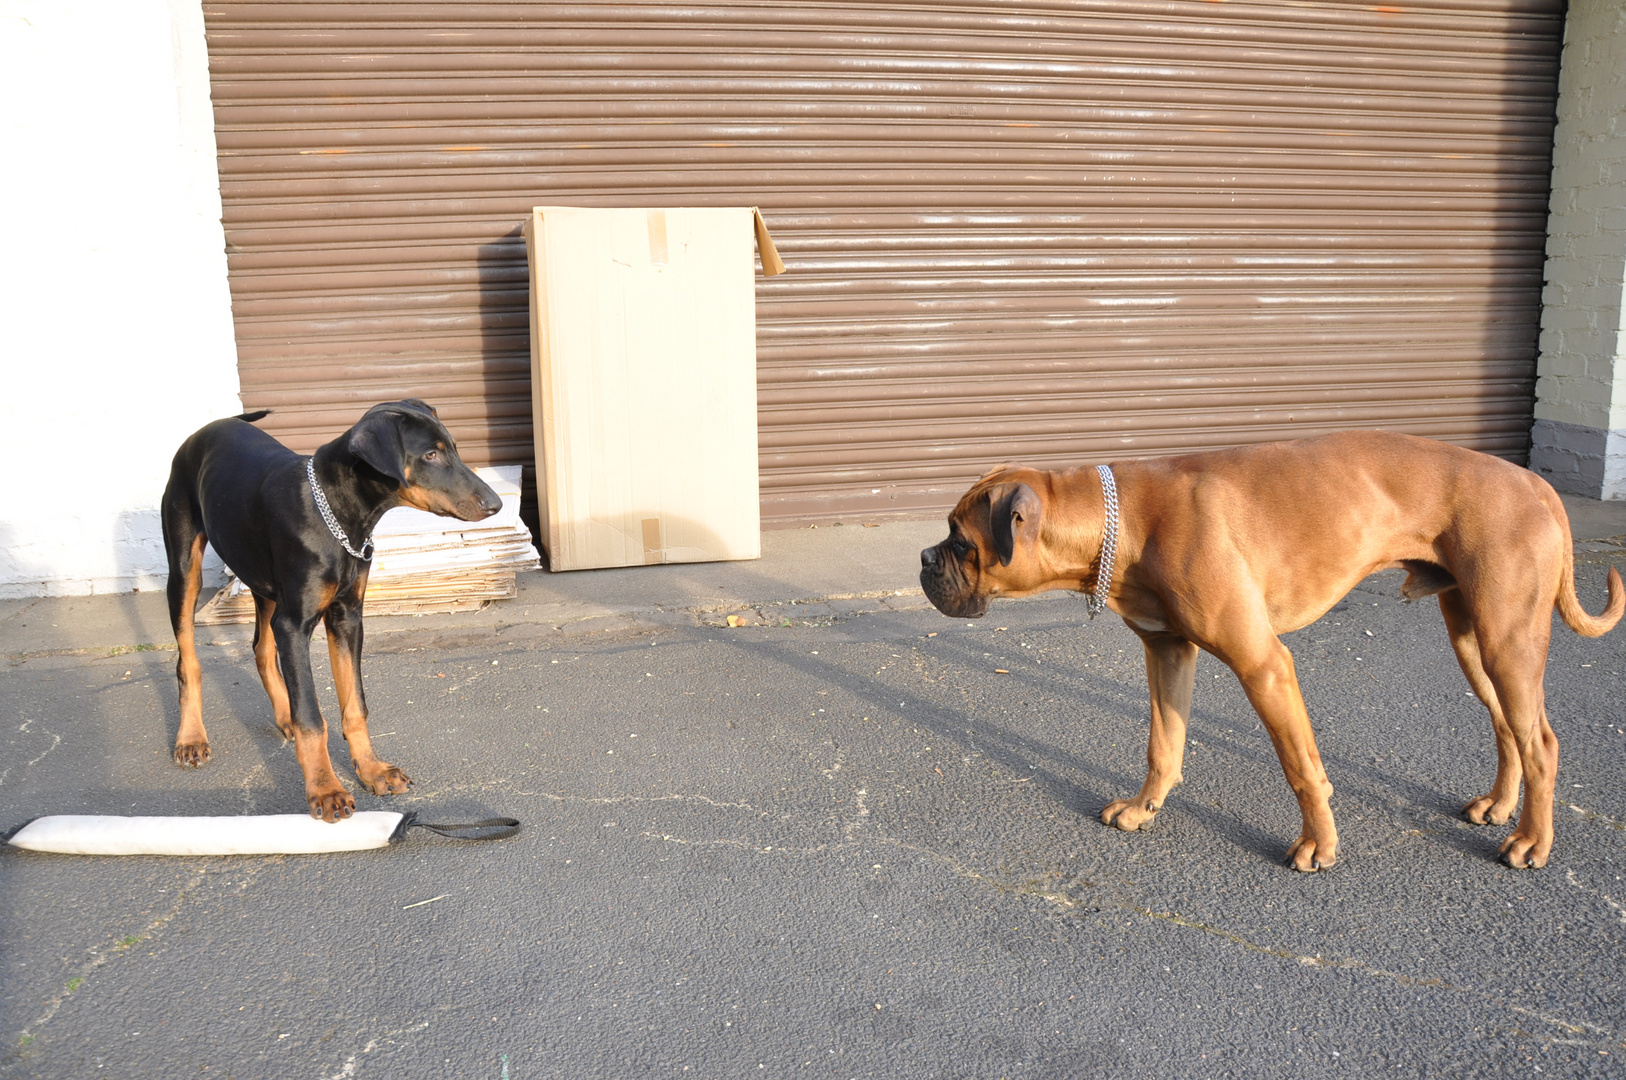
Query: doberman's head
406	442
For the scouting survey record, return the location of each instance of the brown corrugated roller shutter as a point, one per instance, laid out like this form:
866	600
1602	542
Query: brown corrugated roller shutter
1054	232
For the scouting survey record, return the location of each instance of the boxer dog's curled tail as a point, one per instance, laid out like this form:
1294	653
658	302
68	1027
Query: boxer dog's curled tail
1575	616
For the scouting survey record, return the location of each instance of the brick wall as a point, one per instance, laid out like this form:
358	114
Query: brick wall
1579	438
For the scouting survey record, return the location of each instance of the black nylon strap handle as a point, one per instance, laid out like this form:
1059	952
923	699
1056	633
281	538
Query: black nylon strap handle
497	828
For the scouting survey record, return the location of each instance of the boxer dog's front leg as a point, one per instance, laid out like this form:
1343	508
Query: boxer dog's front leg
1268	678
1171	667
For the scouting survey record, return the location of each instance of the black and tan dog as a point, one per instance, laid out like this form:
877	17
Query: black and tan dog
1225	551
294	530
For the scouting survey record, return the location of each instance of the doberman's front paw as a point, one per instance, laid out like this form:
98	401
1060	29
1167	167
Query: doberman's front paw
331	804
1526	852
1129	814
1308	856
384	779
190	755
1486	810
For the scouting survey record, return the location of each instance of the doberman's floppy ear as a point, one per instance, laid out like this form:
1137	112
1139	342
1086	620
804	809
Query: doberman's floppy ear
376	439
1013	515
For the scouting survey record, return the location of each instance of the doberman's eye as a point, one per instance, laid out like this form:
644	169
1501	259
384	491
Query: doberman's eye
433	455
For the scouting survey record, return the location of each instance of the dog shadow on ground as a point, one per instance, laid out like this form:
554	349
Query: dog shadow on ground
1083	785
1071	779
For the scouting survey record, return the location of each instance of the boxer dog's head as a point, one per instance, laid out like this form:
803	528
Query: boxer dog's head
990	550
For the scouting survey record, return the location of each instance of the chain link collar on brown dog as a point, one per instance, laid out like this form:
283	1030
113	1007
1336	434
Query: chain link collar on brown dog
1109	542
333	527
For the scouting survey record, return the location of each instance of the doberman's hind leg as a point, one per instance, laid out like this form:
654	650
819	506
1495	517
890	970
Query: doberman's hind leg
1171	666
183	543
1496	807
265	660
344	651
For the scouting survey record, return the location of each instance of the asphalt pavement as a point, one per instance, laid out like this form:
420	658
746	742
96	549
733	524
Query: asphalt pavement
844	836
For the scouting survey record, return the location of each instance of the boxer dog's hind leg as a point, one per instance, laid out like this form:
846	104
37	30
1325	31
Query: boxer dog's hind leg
1171	667
1532	839
1497	807
1510	605
1515	659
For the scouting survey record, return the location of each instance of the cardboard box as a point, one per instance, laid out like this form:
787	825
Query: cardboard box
643	383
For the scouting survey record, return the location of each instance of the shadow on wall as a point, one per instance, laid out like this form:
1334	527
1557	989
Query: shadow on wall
138	553
138	549
505	363
18	579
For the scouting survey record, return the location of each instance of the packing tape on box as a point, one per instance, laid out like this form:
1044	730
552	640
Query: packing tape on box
264	834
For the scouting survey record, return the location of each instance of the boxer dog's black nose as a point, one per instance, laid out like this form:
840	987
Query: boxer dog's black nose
928	558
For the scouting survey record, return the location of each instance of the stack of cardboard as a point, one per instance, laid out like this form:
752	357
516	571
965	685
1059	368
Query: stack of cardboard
426	563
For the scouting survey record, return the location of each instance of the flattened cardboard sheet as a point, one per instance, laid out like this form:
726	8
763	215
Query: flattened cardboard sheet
643	383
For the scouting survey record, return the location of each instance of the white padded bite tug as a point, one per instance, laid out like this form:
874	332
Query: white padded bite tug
267	834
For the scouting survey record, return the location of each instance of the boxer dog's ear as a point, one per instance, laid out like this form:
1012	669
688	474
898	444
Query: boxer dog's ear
1013	516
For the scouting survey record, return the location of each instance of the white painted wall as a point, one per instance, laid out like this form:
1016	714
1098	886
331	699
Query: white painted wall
115	319
1579	438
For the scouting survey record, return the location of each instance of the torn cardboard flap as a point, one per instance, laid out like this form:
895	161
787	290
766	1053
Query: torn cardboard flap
772	264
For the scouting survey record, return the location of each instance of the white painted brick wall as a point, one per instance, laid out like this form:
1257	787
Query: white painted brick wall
117	335
1581	339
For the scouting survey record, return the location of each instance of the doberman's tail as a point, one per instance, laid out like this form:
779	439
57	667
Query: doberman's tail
258	414
1575	616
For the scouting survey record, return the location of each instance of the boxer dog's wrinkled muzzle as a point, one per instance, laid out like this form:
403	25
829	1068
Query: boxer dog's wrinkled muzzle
961	576
946	575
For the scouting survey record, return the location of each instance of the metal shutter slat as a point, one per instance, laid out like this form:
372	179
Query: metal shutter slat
1044	230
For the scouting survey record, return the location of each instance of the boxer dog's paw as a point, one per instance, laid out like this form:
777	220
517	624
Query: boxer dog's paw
1129	814
1307	856
1486	810
1524	852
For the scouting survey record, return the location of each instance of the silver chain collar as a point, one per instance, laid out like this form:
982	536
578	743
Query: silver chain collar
1109	542
333	526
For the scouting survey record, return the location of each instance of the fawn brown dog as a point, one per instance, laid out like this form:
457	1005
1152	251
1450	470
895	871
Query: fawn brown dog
1225	551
